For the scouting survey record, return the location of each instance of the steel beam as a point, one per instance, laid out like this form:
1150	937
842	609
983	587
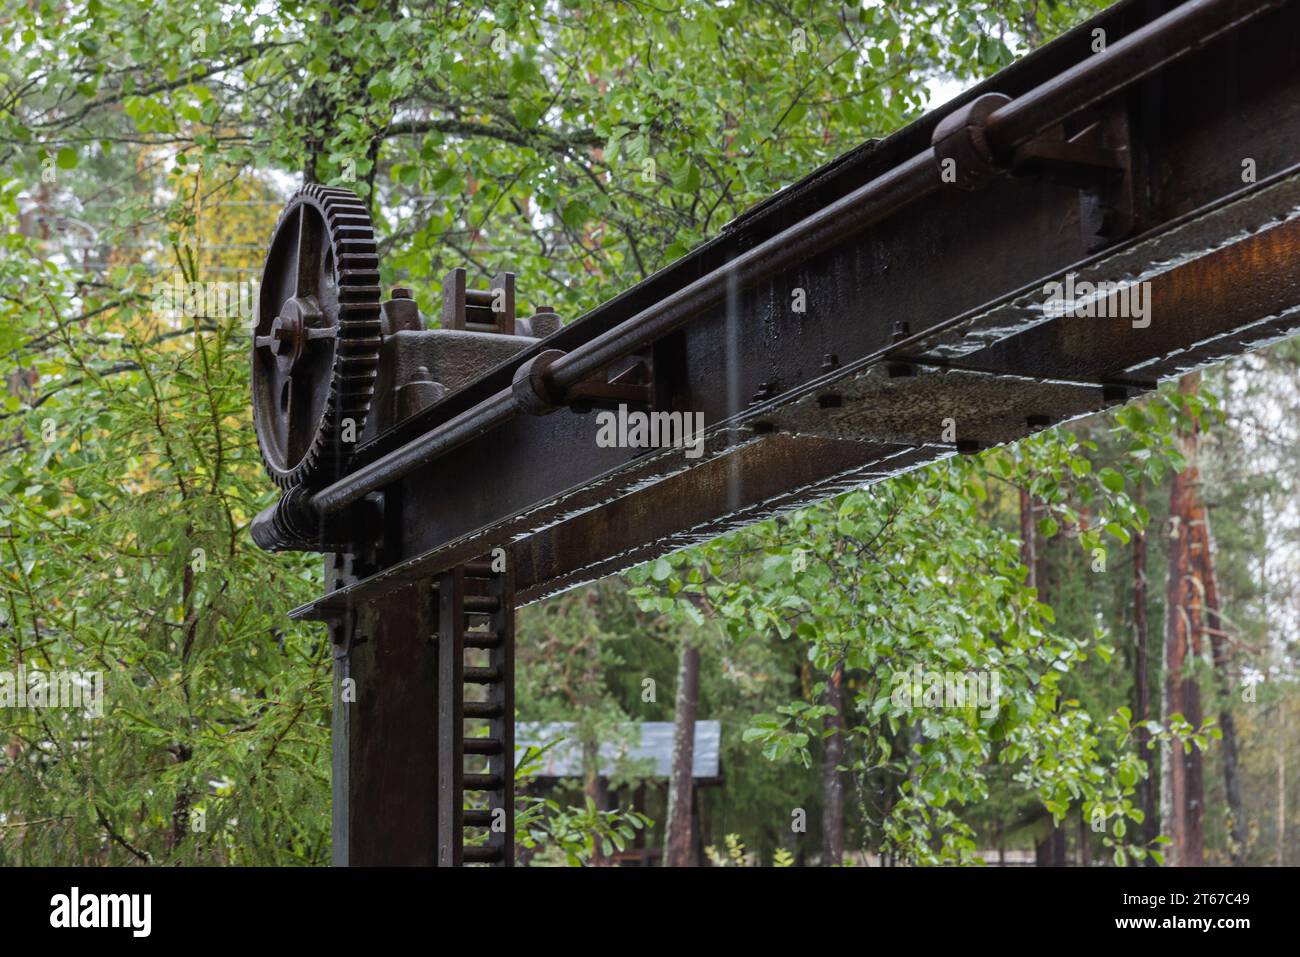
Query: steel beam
924	302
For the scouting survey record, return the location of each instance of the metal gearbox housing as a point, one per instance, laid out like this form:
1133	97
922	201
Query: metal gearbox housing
334	367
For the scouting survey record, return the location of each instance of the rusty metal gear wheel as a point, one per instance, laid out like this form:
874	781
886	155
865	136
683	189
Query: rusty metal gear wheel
316	343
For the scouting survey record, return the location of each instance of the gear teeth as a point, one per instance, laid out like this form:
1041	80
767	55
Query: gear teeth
356	347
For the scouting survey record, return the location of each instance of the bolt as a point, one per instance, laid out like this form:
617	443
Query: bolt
968	446
830	361
899	370
1038	421
1114	393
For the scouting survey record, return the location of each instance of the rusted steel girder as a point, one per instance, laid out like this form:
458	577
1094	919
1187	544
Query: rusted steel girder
924	302
990	134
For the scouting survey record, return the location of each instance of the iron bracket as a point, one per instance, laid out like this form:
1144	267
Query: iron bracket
535	393
1088	151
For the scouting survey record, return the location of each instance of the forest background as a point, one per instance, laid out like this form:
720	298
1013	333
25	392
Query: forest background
1132	578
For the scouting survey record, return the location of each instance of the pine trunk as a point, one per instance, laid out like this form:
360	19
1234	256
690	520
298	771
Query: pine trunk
1050	852
832	780
1223	670
1282	742
1184	798
679	839
1142	689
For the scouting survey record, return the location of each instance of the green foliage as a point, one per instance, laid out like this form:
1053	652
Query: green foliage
733	854
549	831
126	553
910	579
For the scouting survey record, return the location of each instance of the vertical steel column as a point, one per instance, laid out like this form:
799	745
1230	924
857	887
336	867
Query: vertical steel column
385	729
399	721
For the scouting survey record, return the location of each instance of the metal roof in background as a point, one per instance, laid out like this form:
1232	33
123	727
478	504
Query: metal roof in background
564	760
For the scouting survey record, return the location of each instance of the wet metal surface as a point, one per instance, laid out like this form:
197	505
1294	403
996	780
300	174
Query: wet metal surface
801	405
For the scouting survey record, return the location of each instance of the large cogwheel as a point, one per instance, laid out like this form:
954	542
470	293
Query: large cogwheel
316	342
